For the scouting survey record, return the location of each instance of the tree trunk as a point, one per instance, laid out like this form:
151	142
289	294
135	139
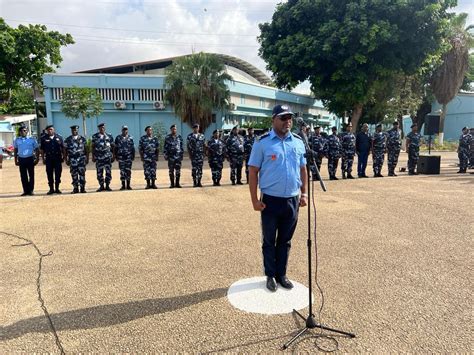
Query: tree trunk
356	114
441	124
84	126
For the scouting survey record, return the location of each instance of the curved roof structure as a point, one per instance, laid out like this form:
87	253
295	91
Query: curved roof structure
231	61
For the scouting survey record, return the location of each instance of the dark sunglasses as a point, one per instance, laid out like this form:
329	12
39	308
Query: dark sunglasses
285	117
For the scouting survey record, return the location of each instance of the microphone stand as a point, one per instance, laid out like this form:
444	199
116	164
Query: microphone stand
310	321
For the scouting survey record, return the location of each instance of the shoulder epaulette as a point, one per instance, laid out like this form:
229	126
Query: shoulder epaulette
296	136
265	135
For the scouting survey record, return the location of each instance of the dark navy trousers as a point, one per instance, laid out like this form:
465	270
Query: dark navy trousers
279	219
362	162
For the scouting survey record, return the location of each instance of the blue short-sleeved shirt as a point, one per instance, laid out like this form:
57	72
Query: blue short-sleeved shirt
26	146
280	161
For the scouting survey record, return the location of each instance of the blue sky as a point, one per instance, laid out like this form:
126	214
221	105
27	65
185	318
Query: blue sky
111	32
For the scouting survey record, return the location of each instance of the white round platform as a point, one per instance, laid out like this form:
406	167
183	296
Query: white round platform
251	295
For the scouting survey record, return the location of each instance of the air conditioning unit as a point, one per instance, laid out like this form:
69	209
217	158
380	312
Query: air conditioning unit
120	105
232	107
159	105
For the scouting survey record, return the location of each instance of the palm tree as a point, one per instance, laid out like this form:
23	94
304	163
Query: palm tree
196	85
448	78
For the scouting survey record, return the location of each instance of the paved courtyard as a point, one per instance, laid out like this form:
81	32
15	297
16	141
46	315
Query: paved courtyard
148	270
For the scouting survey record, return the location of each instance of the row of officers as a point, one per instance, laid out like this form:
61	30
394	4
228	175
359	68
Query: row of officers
346	145
236	149
55	150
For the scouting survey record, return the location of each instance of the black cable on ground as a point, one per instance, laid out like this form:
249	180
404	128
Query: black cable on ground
38	285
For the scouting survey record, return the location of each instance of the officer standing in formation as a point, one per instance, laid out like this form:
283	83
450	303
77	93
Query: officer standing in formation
378	150
363	145
333	152
249	140
77	157
173	153
464	148
195	144
216	154
103	156
348	152
317	143
413	149
394	145
125	154
52	154
235	153
26	155
149	148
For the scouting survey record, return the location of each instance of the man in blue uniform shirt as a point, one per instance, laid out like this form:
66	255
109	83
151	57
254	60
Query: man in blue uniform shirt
26	157
278	166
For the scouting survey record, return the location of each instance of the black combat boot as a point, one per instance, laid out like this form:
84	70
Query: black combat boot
57	190
75	190
177	182
171	181
239	177
344	175
199	183
123	185
101	188
51	190
195	182
148	186
153	186
349	176
83	189
107	187
128	185
233	182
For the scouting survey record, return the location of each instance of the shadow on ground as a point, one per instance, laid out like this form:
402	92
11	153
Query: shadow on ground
107	315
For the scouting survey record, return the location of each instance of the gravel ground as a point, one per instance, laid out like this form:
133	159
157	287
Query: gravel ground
148	270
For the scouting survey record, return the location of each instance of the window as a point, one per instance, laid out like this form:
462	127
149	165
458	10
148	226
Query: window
262	102
242	99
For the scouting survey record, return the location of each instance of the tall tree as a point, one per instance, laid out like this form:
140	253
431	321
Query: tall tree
81	103
26	53
196	85
448	78
346	48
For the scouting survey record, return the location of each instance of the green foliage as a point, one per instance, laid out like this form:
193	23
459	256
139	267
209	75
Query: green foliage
81	102
26	53
160	131
261	123
348	49
196	85
450	146
21	101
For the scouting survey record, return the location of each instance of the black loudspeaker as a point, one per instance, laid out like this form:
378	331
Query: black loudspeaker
431	124
429	164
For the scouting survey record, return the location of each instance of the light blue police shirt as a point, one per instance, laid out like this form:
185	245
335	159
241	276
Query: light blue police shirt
280	161
26	146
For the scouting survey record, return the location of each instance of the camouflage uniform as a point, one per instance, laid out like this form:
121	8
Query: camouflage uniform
235	154
216	153
103	148
173	153
393	149
333	152
77	158
149	149
413	151
317	143
378	152
465	142
125	149
348	151
195	144
248	144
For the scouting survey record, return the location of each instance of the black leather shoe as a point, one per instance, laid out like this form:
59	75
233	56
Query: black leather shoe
271	284
349	176
285	282
50	192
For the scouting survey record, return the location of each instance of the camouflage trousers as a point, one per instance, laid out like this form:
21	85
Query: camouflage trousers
392	159
318	160
346	162
463	156
413	155
125	167
101	166
174	167
333	161
236	164
78	172
377	161
196	167
216	169
149	169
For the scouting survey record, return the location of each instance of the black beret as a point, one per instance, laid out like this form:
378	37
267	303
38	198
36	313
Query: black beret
172	126
147	128
334	128
317	127
215	131
100	125
413	125
378	125
49	126
395	123
195	125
